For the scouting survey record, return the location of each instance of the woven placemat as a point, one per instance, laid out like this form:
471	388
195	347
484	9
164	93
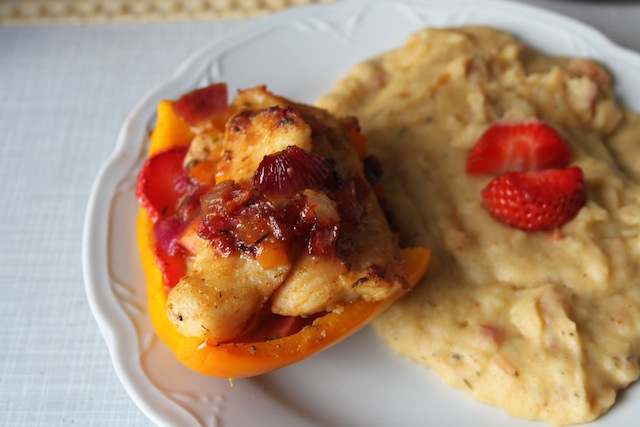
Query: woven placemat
29	12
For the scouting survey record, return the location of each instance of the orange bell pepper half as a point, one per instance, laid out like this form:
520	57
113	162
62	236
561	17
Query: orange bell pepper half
245	359
236	360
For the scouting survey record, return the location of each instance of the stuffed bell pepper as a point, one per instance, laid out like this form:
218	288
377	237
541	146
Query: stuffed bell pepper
260	231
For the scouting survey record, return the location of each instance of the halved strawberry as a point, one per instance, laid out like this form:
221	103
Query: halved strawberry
536	201
156	186
202	105
172	266
519	147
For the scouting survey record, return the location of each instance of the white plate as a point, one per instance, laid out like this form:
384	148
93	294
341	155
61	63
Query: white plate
300	53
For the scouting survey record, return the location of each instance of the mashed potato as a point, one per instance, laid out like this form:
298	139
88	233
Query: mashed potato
545	325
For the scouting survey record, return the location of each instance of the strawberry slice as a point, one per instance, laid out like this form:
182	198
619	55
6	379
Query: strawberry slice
160	188
536	201
519	147
156	186
172	266
201	105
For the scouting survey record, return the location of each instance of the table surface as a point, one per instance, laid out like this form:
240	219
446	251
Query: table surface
65	91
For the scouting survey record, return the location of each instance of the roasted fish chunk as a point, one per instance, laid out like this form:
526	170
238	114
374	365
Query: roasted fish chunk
291	224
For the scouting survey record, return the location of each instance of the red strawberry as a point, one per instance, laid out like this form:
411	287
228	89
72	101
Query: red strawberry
156	186
525	146
173	267
535	201
201	105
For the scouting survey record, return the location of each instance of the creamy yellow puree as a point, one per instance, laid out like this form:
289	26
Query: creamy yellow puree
545	325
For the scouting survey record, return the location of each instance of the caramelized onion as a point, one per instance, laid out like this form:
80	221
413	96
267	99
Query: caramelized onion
291	171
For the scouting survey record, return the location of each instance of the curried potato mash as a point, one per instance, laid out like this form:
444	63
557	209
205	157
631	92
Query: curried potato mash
545	325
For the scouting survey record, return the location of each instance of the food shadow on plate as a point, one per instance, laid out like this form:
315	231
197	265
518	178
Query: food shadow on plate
361	382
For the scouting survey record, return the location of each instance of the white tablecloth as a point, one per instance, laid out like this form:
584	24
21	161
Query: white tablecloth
64	93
